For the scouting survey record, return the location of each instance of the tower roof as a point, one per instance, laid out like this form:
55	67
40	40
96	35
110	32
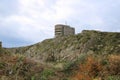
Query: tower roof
61	25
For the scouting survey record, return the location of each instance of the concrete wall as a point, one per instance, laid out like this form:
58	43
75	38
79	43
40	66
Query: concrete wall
62	30
69	30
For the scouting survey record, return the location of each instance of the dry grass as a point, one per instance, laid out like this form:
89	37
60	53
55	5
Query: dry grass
18	67
94	69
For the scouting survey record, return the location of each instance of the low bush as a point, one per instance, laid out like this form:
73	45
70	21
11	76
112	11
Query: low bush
98	67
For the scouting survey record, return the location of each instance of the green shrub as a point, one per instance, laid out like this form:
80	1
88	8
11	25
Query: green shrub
2	65
113	78
46	74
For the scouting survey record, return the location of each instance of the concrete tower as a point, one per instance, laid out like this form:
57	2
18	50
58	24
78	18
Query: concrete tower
63	30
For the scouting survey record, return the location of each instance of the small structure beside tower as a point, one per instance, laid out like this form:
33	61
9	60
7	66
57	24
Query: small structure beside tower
0	44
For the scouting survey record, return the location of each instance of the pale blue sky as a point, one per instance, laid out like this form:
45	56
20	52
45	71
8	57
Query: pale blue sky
25	22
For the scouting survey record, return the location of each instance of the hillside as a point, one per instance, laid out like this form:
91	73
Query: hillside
70	47
89	55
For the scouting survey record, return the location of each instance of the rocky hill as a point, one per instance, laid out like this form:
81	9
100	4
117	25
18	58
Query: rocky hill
89	55
68	48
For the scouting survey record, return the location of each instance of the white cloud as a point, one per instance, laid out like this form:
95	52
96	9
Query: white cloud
35	19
